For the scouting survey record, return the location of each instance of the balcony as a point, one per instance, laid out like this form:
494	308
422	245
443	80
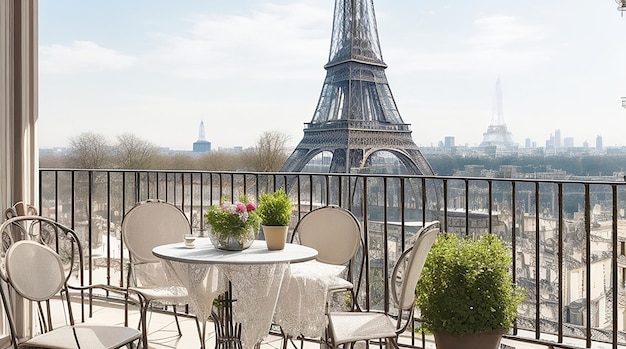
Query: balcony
568	238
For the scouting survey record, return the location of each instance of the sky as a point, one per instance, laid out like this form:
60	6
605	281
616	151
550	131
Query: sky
158	68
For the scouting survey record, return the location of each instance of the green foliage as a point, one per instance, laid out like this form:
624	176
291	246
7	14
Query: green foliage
466	287
236	219
275	208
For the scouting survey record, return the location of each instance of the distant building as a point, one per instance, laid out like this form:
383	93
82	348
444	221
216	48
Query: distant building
599	142
201	145
557	139
568	142
449	141
550	142
497	134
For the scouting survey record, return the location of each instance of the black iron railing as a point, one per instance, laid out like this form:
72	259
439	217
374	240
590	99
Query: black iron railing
568	238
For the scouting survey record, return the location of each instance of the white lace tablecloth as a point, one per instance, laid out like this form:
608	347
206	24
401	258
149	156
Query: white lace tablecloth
302	302
255	274
255	288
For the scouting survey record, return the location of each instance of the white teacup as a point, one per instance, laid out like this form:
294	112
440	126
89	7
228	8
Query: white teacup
189	240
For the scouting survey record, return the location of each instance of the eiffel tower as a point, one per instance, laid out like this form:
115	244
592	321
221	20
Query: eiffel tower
497	134
356	116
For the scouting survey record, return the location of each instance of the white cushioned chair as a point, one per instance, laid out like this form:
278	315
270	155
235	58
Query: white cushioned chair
149	224
351	327
35	272
336	235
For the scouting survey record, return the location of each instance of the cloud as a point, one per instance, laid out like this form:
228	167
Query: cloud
495	43
285	38
81	57
501	31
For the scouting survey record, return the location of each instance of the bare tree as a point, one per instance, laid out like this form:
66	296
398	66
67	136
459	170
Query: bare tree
131	152
52	160
221	161
89	150
173	162
212	161
269	154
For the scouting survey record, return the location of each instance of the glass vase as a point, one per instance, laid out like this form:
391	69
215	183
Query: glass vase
238	241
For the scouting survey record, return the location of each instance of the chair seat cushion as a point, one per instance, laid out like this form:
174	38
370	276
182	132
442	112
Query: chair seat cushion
331	272
347	327
86	335
175	295
339	284
318	268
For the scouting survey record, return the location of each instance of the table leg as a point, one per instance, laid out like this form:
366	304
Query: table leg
227	331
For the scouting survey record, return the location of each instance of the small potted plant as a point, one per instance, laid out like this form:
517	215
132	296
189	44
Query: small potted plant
233	225
466	294
275	212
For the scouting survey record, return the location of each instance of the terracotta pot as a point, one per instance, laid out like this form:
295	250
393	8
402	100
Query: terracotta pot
275	236
480	340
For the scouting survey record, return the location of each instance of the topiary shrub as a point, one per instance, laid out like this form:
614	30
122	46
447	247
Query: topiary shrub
275	208
466	286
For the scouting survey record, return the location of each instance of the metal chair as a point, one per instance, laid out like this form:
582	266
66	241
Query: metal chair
36	272
21	208
351	327
147	225
336	234
18	230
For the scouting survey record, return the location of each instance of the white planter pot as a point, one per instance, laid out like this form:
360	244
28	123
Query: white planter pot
275	236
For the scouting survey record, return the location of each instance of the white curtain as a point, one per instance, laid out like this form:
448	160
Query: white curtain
18	118
18	102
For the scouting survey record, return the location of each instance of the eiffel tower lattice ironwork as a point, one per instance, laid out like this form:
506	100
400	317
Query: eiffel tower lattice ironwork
356	115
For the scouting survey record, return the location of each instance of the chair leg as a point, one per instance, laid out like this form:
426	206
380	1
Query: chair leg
126	300
393	342
144	323
176	318
285	338
132	344
201	331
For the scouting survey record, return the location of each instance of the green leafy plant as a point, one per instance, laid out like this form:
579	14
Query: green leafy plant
275	208
466	286
233	219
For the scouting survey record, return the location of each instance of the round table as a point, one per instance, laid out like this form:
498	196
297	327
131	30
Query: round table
204	252
248	281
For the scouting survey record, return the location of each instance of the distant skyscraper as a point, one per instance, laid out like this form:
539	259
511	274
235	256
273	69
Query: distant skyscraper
557	138
201	145
449	141
568	142
497	133
598	142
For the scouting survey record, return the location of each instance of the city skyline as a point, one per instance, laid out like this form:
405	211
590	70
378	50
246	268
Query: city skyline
249	67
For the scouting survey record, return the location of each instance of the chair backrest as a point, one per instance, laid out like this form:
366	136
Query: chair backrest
333	231
152	223
20	208
410	265
34	270
62	239
44	262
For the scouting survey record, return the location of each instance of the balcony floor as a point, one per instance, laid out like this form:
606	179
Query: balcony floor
163	334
